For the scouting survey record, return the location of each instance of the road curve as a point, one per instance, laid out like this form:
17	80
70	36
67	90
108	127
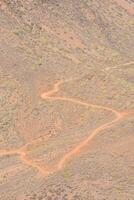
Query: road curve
84	143
47	169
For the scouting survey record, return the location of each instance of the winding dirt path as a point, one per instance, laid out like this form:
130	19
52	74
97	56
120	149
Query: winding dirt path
47	169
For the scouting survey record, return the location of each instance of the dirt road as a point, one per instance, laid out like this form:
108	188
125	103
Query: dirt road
46	170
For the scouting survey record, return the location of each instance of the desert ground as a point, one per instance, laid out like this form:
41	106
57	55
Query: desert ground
66	100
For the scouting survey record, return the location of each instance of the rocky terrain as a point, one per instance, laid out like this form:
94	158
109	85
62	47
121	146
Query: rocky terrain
66	100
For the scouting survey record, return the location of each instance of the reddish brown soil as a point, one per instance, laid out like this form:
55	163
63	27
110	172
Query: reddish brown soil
66	100
127	5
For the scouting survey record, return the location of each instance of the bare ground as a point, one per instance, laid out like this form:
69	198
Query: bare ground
67	100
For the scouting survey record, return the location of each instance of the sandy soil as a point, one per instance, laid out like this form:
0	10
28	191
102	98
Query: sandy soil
66	100
127	5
